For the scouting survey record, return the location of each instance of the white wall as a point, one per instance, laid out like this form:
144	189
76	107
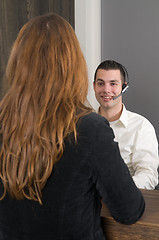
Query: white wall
88	31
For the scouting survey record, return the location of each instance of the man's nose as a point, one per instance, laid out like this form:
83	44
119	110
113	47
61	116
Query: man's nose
106	88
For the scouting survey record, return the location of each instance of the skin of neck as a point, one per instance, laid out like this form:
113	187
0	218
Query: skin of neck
111	114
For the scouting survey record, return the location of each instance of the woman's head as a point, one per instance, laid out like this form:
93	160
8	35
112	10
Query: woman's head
47	61
48	87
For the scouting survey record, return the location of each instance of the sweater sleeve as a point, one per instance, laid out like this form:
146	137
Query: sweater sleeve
112	178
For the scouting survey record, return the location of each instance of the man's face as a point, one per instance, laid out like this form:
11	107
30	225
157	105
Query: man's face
108	84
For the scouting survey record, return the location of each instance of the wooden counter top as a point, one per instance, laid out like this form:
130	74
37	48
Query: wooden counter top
146	228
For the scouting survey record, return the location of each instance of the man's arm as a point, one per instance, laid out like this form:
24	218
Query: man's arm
145	158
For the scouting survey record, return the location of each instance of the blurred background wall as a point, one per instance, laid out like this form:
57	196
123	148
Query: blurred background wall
128	32
15	13
130	35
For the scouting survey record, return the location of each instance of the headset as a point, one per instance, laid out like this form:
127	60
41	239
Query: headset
126	81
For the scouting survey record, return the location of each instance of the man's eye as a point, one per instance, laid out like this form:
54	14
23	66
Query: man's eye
113	84
100	84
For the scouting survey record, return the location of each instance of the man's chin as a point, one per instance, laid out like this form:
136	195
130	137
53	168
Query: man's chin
106	106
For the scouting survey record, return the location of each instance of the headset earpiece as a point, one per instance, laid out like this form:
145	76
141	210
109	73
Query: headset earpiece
124	85
125	76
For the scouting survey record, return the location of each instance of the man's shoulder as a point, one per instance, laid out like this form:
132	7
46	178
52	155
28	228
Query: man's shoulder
136	115
137	118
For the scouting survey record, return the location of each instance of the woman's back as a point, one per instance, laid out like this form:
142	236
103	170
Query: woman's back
87	172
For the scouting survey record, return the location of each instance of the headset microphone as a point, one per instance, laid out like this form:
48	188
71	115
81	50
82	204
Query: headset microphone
125	88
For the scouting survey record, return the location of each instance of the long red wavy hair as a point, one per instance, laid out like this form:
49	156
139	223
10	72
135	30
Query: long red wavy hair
48	81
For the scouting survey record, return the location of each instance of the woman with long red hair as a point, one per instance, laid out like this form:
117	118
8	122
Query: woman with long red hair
57	157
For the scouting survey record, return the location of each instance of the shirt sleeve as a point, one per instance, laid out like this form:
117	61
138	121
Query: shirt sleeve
145	160
112	178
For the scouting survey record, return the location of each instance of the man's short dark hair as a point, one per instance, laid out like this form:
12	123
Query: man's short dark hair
112	65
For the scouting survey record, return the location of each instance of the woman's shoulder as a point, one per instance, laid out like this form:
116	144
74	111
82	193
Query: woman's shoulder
94	119
92	122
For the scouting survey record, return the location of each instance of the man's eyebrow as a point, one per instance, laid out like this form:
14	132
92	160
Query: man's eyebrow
100	80
112	81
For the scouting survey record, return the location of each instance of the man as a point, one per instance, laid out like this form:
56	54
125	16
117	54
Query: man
134	133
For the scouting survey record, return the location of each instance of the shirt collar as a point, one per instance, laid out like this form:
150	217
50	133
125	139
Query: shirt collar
124	117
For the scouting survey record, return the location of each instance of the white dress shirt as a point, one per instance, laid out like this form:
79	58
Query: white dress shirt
138	147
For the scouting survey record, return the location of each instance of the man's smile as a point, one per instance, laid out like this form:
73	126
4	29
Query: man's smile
107	98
